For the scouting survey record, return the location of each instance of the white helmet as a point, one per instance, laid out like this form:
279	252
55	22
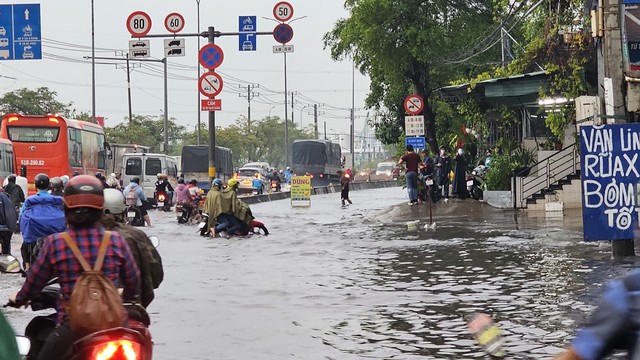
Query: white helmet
114	202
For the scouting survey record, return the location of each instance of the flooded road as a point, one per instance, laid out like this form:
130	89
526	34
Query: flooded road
353	283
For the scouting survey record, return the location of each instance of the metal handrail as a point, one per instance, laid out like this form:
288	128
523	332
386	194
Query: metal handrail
548	171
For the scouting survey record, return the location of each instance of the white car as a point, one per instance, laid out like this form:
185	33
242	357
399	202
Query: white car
247	45
27	55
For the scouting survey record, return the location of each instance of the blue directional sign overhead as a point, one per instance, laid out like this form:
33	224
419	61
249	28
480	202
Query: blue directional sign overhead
247	27
20	32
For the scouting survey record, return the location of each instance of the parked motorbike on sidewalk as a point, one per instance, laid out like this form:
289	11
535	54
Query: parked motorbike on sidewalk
256	227
475	182
121	343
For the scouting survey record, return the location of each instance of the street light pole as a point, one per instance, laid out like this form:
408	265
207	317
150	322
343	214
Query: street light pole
271	109
166	108
301	115
198	72
93	66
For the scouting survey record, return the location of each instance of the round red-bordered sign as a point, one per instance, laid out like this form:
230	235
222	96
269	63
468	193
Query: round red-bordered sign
174	23
413	104
210	56
139	23
283	11
210	84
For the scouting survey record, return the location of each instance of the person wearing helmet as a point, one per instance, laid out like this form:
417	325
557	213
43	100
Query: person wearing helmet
216	184
14	191
226	211
56	186
164	186
256	184
41	215
83	205
287	175
147	257
194	190
8	221
135	192
112	182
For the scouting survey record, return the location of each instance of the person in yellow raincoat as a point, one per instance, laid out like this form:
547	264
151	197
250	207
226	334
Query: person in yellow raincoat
225	210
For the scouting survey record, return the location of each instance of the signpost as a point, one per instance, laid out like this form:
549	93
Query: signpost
301	191
247	27
283	33
210	104
283	11
210	84
174	47
414	125
20	32
413	104
417	142
174	23
211	56
139	24
278	49
139	48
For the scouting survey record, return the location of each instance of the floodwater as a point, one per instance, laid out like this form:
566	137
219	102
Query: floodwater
354	283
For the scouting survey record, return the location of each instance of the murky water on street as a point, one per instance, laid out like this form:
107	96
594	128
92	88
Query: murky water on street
333	283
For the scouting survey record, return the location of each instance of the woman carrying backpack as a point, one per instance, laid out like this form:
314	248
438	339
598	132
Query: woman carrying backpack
83	205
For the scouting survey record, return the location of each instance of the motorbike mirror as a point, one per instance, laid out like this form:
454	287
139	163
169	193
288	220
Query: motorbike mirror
154	240
24	345
9	264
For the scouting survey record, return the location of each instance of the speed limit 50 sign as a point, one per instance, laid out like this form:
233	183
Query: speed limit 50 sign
283	11
139	23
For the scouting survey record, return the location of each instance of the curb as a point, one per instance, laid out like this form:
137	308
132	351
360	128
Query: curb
329	189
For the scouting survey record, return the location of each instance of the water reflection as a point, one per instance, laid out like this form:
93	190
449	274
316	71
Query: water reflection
420	288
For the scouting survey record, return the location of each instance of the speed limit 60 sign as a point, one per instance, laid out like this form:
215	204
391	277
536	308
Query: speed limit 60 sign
283	11
174	22
139	23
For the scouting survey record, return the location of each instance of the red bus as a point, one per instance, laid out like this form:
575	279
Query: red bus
6	159
54	145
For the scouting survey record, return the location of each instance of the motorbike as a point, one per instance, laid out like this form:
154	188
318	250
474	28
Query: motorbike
475	182
188	213
162	200
121	343
275	186
256	227
427	187
134	216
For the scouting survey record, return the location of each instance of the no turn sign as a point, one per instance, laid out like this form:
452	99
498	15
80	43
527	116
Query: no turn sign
139	23
210	84
413	104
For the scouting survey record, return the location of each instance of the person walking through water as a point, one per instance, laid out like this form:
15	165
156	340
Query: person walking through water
344	185
411	174
443	168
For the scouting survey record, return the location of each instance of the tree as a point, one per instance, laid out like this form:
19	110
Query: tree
406	46
146	130
41	101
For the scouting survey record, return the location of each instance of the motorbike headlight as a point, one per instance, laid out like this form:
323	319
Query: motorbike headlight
473	172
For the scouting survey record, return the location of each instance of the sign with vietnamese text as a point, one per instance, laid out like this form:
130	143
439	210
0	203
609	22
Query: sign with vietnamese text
610	181
20	32
301	191
414	125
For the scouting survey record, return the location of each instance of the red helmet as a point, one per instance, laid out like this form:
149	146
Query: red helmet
84	191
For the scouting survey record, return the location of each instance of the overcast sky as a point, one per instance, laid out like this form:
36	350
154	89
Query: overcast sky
66	30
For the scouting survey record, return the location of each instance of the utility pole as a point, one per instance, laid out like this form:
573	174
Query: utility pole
250	95
292	105
315	120
129	67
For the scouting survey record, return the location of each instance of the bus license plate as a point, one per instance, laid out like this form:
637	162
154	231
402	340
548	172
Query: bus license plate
469	182
131	214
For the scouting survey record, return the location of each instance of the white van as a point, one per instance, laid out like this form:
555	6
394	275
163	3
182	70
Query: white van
147	166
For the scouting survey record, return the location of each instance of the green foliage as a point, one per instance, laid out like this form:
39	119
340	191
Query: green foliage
41	101
514	156
146	130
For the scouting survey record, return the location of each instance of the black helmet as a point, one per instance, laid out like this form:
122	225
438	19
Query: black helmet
11	178
56	183
84	191
180	181
193	182
41	181
135	180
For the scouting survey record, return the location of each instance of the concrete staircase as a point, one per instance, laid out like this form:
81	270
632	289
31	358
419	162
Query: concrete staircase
565	194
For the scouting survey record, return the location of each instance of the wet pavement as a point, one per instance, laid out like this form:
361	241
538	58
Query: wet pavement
353	283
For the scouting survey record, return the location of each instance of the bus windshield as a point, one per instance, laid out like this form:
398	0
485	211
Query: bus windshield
33	134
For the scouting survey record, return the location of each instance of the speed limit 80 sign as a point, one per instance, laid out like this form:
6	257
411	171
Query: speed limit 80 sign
139	23
283	11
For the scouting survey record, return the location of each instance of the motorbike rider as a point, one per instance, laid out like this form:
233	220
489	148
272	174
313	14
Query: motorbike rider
226	210
56	186
14	191
141	199
276	178
147	257
287	175
8	222
256	184
83	205
164	186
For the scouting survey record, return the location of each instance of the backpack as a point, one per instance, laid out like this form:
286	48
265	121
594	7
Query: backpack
95	304
131	198
43	216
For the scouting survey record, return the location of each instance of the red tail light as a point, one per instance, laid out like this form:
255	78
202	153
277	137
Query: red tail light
321	175
117	350
161	197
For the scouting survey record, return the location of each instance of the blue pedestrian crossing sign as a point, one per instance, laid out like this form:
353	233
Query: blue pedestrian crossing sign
247	27
20	32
